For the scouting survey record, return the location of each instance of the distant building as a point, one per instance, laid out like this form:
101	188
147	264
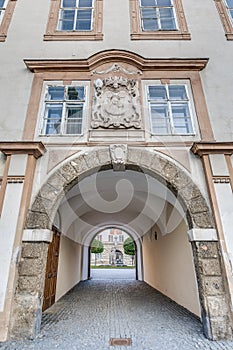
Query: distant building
113	254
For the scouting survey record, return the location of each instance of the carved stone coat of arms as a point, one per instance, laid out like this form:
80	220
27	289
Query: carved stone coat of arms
116	103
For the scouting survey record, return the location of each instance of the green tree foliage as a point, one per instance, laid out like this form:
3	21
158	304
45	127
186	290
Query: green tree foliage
129	247
97	247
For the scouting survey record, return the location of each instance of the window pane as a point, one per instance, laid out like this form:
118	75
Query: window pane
55	93
164	2
180	110
85	3
84	20
160	120
148	2
75	93
157	92
69	3
84	14
149	13
75	112
2	2
177	92
231	13
167	19
229	3
66	20
53	113
183	125
150	24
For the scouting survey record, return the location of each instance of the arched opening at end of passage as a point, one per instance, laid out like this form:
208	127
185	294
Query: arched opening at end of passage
113	253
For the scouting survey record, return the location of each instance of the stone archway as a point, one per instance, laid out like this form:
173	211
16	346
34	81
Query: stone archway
28	299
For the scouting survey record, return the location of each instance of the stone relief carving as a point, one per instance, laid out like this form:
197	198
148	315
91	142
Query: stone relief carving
116	103
116	68
118	155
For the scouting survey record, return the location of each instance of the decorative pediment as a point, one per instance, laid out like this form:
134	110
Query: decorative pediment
116	103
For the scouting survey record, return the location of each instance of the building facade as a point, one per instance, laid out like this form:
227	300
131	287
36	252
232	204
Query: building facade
113	253
121	118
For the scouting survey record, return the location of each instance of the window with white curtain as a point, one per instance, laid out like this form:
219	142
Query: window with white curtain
64	109
170	110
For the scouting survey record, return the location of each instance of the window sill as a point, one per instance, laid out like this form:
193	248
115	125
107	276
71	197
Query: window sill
72	36
161	35
2	37
229	36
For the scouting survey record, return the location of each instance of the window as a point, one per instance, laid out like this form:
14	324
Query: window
169	109
157	15
225	9
158	19
6	13
229	5
63	112
75	15
75	20
2	8
110	238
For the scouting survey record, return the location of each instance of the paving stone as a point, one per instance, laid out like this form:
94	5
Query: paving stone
114	305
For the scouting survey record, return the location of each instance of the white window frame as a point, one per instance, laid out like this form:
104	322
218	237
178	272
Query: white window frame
228	11
75	17
3	10
42	124
159	22
192	111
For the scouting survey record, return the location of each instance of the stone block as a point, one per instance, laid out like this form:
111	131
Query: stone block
104	156
181	180
26	316
221	328
157	164
206	250
198	205
42	205
189	192
210	267
57	181
212	285
32	267
30	284
217	306
68	172
79	164
169	171
203	220
146	158
134	155
32	250
37	220
92	160
49	192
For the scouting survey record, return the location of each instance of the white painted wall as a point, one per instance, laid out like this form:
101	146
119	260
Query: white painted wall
69	266
169	267
8	224
29	24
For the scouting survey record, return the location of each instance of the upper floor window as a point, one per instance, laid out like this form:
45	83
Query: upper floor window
2	8
63	110
170	111
75	20
6	13
157	15
158	19
225	9
229	5
75	15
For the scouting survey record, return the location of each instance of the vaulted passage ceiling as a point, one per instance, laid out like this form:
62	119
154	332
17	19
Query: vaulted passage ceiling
130	199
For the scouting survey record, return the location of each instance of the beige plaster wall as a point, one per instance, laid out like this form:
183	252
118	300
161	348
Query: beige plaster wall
169	267
69	266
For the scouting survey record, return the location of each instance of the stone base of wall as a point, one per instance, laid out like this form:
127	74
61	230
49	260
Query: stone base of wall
215	308
27	310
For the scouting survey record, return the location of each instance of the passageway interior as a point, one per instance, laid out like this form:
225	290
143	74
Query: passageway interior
148	211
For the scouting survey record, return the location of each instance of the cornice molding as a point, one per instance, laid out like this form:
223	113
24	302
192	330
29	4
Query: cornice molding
37	149
204	148
115	56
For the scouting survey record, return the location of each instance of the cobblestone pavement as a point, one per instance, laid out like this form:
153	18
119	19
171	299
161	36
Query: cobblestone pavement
114	306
